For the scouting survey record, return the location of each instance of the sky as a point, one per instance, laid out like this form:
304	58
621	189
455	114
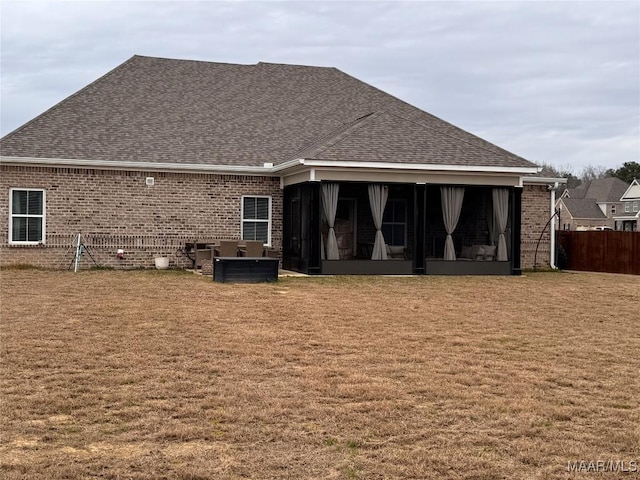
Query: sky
556	82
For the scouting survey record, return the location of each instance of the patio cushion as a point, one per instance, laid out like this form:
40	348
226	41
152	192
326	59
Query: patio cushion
477	252
489	252
395	251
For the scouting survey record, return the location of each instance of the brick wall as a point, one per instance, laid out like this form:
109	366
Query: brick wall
116	209
536	210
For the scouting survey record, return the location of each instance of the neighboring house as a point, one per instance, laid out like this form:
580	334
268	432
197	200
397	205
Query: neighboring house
333	174
627	218
581	214
591	206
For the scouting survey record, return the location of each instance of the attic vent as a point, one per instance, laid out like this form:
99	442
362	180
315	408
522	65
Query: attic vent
150	181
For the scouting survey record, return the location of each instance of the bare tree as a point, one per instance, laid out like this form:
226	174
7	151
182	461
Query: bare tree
562	172
593	173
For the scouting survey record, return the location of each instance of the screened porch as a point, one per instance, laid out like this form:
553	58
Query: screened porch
401	228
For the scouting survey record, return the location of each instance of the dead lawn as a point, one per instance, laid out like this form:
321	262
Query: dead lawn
110	374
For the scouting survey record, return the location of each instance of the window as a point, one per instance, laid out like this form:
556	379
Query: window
613	209
256	219
26	220
635	205
627	207
394	223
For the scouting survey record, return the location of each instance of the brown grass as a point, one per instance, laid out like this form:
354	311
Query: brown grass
111	374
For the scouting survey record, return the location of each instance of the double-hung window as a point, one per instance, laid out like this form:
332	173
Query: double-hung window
394	223
256	218
27	216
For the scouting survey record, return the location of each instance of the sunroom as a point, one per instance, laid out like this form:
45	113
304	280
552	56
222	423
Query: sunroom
357	221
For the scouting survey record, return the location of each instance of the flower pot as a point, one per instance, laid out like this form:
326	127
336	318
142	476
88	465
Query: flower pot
162	263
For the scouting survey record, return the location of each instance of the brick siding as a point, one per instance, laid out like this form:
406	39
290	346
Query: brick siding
536	208
116	209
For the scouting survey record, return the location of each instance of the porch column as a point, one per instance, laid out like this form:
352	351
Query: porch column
315	230
419	222
516	225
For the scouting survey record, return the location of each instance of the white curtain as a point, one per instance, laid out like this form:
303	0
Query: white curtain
330	206
378	200
500	216
451	205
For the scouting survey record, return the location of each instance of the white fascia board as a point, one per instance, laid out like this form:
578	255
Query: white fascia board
544	180
625	196
138	166
285	168
411	166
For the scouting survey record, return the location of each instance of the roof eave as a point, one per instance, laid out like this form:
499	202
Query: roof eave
299	163
138	166
267	169
545	180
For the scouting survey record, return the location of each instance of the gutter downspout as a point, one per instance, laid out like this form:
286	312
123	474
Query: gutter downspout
552	233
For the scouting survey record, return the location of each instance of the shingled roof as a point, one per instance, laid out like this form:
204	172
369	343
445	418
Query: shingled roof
191	112
608	189
583	208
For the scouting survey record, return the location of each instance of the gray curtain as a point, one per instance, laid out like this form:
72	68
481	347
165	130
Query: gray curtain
500	217
378	200
330	206
451	205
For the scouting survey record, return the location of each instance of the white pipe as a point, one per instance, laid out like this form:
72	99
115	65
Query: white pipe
78	253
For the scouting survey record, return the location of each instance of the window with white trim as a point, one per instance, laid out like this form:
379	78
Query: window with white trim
627	207
613	209
394	223
256	218
26	216
635	205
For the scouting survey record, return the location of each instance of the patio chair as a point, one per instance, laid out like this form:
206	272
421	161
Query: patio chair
202	255
227	248
254	248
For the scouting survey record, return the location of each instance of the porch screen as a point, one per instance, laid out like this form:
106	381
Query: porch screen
451	205
330	206
378	199
500	217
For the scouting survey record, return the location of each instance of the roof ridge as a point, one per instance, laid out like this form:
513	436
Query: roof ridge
339	133
296	65
64	100
191	60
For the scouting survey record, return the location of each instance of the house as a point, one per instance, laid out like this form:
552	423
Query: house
334	175
591	206
629	213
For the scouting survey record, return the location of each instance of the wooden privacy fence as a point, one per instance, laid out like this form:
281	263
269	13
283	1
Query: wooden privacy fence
601	251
